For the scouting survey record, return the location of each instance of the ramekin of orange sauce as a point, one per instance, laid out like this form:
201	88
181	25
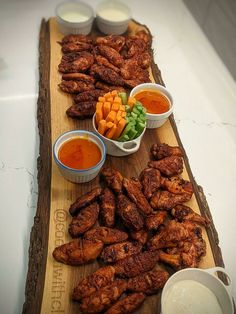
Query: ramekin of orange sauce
157	100
79	155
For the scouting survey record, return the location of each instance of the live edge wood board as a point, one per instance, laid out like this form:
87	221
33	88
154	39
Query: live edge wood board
49	284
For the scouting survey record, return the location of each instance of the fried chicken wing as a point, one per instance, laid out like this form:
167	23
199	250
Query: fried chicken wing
71	38
76	62
133	265
76	47
118	251
153	221
129	213
134	82
111	55
108	208
136	195
141	236
78	77
131	70
127	305
143	60
91	95
149	282
85	200
82	110
173	260
160	151
109	88
113	179
115	41
146	37
106	235
103	298
169	166
106	74
151	181
135	46
78	251
164	200
177	185
73	87
100	278
103	61
185	213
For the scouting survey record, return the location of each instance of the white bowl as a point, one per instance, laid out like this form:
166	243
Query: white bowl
74	17
205	277
119	149
112	17
75	175
155	120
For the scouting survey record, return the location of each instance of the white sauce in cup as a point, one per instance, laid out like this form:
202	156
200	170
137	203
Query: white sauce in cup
74	16
113	14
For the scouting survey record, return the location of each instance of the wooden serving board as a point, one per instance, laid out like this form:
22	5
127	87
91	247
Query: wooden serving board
49	283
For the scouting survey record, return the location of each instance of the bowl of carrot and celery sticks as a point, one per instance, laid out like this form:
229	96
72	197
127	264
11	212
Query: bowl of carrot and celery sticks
121	122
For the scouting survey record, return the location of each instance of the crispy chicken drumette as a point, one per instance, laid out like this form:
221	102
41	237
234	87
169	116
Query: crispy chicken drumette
160	151
169	166
113	179
127	305
164	200
115	252
106	235
108	208
185	213
151	181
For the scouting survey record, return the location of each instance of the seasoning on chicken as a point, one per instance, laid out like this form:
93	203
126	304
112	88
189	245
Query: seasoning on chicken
76	47
91	95
141	236
133	265
145	36
84	221
108	208
151	181
136	195
134	82
82	110
185	213
169	166
73	87
177	185
174	260
153	221
118	251
72	38
113	179
160	151
100	278
78	251
111	55
103	61
131	70
106	235
109	88
103	298
78	77
129	213
143	60
115	41
76	62
85	200
164	200
106	74
127	305
149	282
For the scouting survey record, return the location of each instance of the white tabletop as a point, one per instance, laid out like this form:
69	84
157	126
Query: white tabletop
205	113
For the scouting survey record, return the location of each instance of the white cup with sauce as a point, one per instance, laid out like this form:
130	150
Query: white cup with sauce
193	288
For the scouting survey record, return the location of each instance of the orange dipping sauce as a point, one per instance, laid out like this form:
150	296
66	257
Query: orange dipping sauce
153	101
79	153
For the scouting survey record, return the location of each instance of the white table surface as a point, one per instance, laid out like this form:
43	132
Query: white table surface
205	113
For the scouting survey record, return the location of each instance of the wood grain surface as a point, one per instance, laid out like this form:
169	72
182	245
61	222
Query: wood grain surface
50	284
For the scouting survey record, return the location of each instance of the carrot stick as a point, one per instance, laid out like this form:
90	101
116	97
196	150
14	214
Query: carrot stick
102	126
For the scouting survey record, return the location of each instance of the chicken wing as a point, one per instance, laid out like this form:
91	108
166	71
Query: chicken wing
115	41
76	62
82	110
185	213
103	61
133	265
103	298
160	151
85	200
134	82
84	221
153	221
113	179
106	235
71	38
118	251
174	260
78	251
109	88
127	305
108	208
141	236
102	277
136	195
91	95
135	46
129	213
169	166
106	74
164	200
74	87
151	181
78	77
145	36
149	282
131	70
76	47
177	185
111	55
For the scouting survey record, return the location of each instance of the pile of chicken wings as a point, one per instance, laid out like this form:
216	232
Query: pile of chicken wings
134	226
92	67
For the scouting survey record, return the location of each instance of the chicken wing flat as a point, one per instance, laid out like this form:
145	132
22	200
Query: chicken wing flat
91	95
141	236
143	60
118	251
151	181
85	200
135	46
74	87
71	38
164	200
76	62
134	82
111	55
133	265
136	195
153	221
84	221
129	213
127	305
82	110
76	47
149	282
146	37
103	61
115	41
103	298
177	185
169	166
108	208
102	277
78	77
160	151
113	179
109	88
131	70
185	213
106	74
78	251
174	260
106	235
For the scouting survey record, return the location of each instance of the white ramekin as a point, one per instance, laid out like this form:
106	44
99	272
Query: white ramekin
207	278
81	27
109	26
118	149
155	120
74	175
